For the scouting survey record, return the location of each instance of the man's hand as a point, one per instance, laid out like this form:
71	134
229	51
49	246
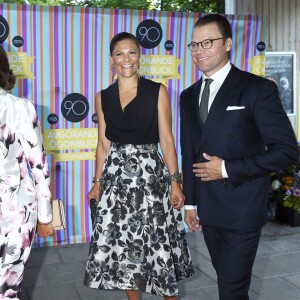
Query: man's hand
190	218
209	170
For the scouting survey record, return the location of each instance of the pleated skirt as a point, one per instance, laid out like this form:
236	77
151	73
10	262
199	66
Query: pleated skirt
138	240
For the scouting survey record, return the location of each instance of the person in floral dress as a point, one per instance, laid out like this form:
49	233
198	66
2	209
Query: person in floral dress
24	184
138	242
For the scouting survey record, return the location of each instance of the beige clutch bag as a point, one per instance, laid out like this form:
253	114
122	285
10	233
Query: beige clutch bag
59	221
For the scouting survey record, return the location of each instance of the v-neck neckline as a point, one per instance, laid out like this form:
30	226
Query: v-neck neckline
132	100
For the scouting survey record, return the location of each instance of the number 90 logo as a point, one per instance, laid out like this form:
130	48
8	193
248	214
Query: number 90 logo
149	34
74	107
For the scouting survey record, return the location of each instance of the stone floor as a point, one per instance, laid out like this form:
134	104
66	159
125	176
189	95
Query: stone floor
56	273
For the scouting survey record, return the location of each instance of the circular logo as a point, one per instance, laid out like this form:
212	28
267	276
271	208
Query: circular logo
53	118
94	118
18	41
149	33
4	29
169	45
261	46
74	107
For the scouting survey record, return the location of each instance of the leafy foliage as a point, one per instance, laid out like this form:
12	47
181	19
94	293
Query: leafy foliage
208	6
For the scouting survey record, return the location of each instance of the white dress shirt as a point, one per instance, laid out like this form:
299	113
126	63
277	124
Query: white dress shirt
218	79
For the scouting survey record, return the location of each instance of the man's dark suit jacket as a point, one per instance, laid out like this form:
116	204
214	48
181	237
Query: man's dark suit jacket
253	140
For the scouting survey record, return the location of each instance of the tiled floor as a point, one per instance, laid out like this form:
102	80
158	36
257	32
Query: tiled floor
56	273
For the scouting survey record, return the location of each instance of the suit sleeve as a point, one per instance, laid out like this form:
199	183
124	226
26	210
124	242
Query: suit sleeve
36	157
281	149
187	158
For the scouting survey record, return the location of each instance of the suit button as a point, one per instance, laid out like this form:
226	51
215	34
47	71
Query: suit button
223	182
230	136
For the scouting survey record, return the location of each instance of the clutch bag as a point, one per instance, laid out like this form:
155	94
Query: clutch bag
58	211
93	206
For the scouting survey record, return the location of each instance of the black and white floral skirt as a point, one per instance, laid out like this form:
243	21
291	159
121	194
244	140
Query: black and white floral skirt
138	241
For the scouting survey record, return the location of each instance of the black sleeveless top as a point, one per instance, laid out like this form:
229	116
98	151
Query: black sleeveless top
138	123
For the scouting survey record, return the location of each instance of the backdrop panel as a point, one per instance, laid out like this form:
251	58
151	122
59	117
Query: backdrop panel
66	50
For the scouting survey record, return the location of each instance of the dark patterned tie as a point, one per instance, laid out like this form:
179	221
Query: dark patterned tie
204	100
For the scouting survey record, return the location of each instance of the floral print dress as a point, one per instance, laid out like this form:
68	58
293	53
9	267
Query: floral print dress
138	242
24	189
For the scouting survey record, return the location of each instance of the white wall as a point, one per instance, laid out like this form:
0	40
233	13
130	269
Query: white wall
283	31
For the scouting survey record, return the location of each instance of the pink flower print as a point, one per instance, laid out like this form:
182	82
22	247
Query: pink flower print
37	175
36	162
2	130
12	279
10	139
7	138
29	189
25	240
20	155
44	189
23	171
10	180
32	144
35	121
9	295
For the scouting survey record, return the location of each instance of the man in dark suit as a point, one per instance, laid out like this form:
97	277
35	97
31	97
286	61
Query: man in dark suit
228	153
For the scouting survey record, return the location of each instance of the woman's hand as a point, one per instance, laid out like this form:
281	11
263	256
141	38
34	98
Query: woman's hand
176	198
94	192
44	230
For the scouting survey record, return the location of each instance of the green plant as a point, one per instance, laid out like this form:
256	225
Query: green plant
285	188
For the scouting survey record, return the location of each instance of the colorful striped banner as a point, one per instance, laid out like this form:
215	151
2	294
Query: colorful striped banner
70	46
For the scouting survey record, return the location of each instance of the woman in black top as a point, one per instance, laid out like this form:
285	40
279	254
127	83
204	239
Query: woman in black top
138	242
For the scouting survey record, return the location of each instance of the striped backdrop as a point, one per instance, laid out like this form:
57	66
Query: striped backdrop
71	50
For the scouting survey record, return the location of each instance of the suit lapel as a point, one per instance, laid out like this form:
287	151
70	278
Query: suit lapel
220	103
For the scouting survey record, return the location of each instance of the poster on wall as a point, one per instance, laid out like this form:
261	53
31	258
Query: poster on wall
61	57
280	67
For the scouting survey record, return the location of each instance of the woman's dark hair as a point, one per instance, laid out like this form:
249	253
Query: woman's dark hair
120	37
7	78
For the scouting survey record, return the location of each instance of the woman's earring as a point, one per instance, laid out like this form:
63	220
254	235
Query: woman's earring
113	72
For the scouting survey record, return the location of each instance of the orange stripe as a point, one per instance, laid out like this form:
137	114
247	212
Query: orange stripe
101	56
261	27
83	69
111	31
72	126
140	16
236	40
31	54
63	85
52	85
131	18
19	14
72	48
244	39
8	21
185	52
